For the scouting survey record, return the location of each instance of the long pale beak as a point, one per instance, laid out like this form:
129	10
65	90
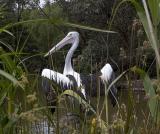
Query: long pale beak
61	44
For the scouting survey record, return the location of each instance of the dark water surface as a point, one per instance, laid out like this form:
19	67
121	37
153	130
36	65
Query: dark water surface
139	105
138	108
139	111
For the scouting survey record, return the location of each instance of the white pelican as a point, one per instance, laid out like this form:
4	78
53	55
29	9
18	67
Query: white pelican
86	84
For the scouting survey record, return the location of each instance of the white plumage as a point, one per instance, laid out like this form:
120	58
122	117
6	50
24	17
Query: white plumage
106	73
55	76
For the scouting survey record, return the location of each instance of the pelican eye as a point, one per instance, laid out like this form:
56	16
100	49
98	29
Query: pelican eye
70	35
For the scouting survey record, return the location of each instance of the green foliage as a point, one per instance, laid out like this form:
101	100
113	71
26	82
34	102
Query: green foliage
148	15
153	101
27	31
150	29
78	98
11	78
15	72
150	23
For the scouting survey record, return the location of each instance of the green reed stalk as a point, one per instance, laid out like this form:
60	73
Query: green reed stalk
106	103
153	36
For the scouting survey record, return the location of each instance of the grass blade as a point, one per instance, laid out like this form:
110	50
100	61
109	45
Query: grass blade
11	78
80	100
154	10
57	22
150	91
88	28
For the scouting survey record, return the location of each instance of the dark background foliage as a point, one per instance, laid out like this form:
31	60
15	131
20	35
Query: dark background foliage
124	49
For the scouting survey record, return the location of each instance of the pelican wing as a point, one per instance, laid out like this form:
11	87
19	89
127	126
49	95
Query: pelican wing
108	76
59	78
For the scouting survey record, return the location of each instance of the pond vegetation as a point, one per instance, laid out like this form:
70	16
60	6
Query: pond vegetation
27	31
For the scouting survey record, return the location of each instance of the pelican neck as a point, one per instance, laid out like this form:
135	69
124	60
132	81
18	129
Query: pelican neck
68	65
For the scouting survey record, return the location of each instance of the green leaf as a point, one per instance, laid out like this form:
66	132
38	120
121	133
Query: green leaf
22	23
6	31
142	16
11	78
148	87
131	132
88	28
57	22
80	100
8	63
154	10
6	45
4	121
145	17
3	98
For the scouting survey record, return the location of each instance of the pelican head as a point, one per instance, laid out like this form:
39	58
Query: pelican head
70	38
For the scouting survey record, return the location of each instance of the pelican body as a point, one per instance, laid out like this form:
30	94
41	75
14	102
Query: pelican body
85	84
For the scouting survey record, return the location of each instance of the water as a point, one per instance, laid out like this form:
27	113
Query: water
140	111
42	127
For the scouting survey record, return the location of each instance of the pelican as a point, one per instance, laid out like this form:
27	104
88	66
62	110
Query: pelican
85	84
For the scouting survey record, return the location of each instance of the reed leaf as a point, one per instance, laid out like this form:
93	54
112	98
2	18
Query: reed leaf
2	98
57	22
109	87
7	46
88	28
73	94
146	19
8	63
154	11
78	98
113	82
150	91
11	78
8	32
